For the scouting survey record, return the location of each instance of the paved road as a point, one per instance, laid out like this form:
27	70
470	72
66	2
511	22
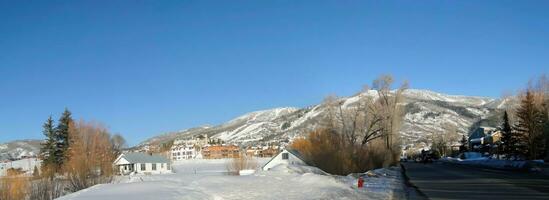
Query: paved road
448	181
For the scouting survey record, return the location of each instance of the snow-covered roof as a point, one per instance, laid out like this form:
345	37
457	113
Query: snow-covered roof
292	151
143	158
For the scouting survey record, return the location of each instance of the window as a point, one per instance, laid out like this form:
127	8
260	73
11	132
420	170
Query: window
142	167
162	165
154	167
284	156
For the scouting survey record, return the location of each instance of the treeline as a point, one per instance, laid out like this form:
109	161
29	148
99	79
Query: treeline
359	135
527	136
75	155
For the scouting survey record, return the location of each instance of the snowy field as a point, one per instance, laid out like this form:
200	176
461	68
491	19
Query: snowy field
208	179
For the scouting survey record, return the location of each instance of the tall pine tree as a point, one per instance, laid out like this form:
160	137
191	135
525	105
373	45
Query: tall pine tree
48	147
545	116
507	138
529	128
62	137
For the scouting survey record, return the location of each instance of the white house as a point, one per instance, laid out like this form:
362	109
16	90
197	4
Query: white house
285	157
142	163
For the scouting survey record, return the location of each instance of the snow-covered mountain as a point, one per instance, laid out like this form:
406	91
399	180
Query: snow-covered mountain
19	148
425	113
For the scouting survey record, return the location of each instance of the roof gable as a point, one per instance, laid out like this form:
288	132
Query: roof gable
144	158
291	151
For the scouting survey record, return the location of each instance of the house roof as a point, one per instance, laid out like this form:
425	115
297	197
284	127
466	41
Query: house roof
478	133
292	151
144	158
296	154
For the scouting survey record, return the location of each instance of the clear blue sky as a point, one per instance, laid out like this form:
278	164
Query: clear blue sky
146	67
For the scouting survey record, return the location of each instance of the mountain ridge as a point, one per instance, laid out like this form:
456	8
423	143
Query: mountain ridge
426	112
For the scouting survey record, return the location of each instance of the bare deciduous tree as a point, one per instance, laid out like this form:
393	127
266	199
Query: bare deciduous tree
359	121
118	143
90	155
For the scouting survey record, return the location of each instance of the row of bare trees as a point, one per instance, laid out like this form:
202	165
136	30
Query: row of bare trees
358	134
90	156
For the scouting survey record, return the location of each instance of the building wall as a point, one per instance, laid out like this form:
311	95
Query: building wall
218	152
183	152
161	168
26	164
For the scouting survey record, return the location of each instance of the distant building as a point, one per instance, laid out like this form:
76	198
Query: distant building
262	151
220	151
188	149
476	138
285	157
183	152
26	165
142	163
485	139
267	153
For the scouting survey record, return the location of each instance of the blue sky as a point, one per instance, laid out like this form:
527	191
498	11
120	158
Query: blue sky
144	67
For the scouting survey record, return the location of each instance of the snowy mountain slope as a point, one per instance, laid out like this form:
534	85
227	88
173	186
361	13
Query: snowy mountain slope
425	114
19	148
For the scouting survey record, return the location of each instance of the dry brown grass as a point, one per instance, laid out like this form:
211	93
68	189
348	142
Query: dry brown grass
14	186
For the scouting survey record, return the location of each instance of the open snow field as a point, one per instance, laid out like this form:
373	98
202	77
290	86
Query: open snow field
207	179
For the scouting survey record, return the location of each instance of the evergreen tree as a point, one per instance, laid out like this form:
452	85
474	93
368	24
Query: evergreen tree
62	137
48	147
35	172
529	127
545	117
507	141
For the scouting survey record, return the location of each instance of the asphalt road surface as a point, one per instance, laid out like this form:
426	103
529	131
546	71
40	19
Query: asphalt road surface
449	181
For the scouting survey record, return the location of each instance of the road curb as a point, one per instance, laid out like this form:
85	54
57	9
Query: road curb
411	186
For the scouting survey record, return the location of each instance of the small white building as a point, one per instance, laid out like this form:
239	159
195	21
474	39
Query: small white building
285	157
142	163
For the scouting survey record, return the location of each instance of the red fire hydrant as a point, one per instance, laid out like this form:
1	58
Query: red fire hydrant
360	182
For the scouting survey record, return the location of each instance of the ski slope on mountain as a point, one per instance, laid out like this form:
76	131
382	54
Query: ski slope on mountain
426	112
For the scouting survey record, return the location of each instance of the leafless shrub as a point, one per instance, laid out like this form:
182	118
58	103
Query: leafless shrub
243	162
323	149
46	189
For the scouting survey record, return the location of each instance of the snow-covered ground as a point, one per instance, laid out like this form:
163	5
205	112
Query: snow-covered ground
495	163
207	179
